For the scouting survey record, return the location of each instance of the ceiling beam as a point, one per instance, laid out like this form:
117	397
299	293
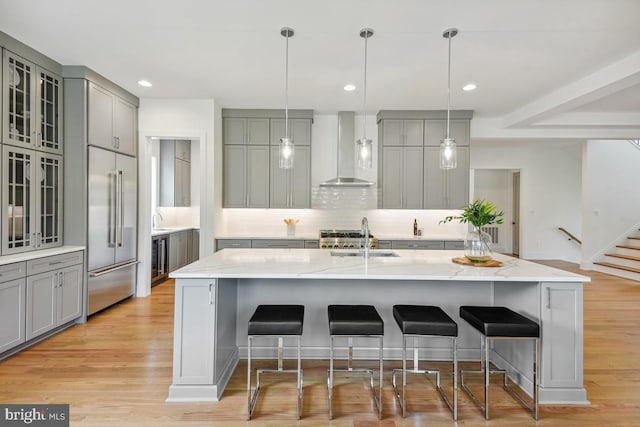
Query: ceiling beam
611	79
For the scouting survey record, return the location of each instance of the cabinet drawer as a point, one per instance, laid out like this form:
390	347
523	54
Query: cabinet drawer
454	244
311	244
13	271
282	243
384	244
55	262
417	244
233	243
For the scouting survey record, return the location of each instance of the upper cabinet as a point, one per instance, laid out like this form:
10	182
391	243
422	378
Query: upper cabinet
409	173
175	173
31	105
112	121
252	177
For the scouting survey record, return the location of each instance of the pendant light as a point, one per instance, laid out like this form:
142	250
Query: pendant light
448	153
286	144
364	146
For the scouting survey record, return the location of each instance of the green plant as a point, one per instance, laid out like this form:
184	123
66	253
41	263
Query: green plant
479	213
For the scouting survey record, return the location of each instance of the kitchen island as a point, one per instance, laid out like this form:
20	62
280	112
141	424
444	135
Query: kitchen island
215	297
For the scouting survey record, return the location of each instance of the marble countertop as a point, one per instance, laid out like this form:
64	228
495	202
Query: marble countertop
409	265
27	256
169	230
315	236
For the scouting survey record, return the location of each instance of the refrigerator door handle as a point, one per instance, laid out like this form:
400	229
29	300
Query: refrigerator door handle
121	207
112	269
113	194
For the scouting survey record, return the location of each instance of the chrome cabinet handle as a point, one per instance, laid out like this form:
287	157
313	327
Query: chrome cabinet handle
210	294
549	298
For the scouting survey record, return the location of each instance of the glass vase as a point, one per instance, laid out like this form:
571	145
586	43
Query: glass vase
477	246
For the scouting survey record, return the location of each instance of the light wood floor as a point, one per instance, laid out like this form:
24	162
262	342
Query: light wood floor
116	369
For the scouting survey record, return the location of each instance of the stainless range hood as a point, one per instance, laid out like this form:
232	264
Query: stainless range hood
346	154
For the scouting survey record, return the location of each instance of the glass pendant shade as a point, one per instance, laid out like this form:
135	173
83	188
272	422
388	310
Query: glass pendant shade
448	155
364	149
287	151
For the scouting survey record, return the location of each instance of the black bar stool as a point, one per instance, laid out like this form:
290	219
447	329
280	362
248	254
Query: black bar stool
419	321
349	321
501	323
274	321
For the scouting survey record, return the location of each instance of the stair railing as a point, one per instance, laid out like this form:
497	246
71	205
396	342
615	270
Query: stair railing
571	236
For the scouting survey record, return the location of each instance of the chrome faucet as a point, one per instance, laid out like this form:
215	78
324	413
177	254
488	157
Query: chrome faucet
365	231
154	219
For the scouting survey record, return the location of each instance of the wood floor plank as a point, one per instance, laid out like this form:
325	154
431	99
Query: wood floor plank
116	370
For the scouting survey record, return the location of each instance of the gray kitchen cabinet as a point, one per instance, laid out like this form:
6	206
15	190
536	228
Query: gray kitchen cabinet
12	305
384	244
445	189
312	244
299	131
436	131
195	245
402	179
31	200
179	249
402	132
113	122
232	243
175	174
31	105
246	176
291	188
454	245
277	243
53	299
418	244
562	327
245	131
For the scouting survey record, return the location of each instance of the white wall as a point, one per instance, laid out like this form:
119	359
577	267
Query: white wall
550	192
611	201
175	118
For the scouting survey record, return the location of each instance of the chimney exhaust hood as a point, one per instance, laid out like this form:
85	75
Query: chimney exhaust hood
346	154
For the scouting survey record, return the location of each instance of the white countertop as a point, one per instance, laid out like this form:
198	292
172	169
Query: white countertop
409	265
169	230
316	236
27	256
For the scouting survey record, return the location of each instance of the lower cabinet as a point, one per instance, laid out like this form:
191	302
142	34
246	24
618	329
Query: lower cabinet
179	249
12	306
53	299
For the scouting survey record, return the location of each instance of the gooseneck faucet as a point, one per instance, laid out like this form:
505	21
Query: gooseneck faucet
365	231
154	219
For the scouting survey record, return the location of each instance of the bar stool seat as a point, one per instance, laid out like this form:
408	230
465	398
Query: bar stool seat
501	323
274	321
418	321
351	321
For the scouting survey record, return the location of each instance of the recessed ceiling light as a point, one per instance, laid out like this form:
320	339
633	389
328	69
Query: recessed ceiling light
350	87
469	86
144	83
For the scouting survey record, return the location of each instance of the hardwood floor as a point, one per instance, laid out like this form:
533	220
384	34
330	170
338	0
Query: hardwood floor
116	370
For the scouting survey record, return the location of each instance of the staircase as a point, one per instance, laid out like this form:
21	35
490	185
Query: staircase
624	261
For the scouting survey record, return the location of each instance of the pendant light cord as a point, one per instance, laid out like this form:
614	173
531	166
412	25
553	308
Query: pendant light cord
286	88
449	87
364	102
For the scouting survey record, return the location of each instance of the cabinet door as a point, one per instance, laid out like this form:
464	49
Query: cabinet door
183	149
18	101
300	184
194	338
299	131
69	294
49	200
413	132
412	170
279	182
101	109
435	132
195	246
258	176
183	248
18	200
41	303
562	335
392	177
434	183
125	126
392	132
458	180
101	216
49	111
235	131
258	131
182	183
460	132
174	248
12	314
235	176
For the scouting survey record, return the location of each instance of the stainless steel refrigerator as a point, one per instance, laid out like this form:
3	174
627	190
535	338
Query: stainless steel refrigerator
112	223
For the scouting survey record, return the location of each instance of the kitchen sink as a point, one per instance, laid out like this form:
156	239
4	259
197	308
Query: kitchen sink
372	253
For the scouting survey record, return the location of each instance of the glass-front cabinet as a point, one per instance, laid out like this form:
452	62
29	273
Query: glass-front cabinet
32	105
31	199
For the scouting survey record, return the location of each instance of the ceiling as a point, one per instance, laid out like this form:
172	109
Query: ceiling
537	63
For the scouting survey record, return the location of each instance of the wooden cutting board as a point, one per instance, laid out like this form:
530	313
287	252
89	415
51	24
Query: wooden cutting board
465	261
